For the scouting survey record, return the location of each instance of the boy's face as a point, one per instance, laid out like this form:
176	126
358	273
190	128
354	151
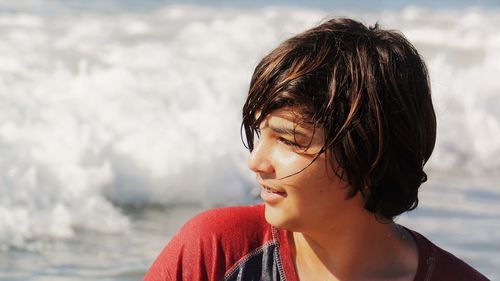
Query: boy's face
306	200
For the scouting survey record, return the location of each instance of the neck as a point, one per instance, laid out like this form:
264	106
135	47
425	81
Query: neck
357	248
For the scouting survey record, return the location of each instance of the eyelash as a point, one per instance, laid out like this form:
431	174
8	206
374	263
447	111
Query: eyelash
289	143
281	139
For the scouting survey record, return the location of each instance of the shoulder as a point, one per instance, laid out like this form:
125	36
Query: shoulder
447	264
227	222
442	265
211	243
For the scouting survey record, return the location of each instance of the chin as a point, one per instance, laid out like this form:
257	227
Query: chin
279	218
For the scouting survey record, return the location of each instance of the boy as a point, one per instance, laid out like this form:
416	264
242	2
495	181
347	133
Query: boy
345	124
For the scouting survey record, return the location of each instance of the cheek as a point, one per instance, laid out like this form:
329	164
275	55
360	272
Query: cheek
284	156
315	187
287	161
316	176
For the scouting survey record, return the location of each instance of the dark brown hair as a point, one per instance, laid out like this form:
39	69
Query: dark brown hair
368	89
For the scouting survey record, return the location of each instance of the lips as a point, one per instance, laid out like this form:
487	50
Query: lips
271	195
268	189
271	189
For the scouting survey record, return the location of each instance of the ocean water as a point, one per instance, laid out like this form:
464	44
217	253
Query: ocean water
120	119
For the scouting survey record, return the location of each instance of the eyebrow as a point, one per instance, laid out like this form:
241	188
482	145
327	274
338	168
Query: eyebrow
288	131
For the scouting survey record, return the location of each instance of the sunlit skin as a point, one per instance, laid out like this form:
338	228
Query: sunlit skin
334	238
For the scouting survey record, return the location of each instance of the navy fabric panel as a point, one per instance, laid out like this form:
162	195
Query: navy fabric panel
261	265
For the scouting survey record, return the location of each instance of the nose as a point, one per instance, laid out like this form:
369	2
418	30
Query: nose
259	160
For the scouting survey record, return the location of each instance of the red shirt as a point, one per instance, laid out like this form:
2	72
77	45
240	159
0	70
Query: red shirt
236	243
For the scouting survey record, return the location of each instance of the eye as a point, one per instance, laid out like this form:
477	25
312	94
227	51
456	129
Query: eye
290	143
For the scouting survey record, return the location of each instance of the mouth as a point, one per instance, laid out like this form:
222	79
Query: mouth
271	190
271	195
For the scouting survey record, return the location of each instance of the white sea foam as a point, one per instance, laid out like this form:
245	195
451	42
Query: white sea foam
144	108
